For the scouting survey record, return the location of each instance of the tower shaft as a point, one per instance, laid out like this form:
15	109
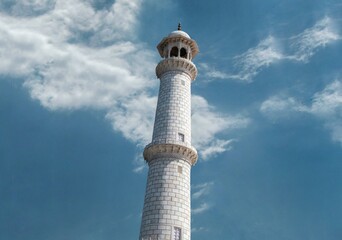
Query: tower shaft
167	210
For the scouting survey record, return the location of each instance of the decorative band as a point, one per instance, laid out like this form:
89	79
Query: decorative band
153	151
176	63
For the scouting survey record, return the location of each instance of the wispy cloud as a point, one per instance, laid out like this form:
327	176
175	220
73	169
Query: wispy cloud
271	50
201	208
326	105
200	193
307	43
199	229
248	64
255	59
281	105
329	100
216	147
139	164
201	189
211	73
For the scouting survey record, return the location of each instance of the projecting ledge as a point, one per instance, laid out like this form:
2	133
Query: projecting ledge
176	64
154	151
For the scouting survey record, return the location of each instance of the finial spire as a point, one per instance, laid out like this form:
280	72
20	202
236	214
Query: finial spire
179	26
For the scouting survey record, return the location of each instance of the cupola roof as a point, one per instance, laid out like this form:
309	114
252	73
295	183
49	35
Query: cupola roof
179	32
178	36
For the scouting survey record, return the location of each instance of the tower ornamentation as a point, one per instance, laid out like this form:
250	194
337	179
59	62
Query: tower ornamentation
170	156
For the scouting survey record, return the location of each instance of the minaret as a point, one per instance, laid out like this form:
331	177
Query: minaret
170	156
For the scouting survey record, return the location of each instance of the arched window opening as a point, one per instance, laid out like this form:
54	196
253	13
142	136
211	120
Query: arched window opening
174	52
183	53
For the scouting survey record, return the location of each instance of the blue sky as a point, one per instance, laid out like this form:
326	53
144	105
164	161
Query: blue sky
77	99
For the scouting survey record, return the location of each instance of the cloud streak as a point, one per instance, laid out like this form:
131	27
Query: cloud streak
271	50
201	190
201	208
255	59
326	105
307	43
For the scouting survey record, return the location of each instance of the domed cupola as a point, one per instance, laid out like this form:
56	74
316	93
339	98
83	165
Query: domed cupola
174	48
178	44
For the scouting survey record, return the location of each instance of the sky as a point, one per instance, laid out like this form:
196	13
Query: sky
78	94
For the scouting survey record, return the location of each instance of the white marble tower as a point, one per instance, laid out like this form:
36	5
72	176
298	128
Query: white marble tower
166	213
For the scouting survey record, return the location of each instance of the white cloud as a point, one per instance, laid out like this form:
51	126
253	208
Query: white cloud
201	189
307	43
202	208
254	59
73	56
329	101
64	71
207	124
326	105
119	22
134	118
64	75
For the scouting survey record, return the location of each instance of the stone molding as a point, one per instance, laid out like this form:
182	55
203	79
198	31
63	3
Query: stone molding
176	64
154	151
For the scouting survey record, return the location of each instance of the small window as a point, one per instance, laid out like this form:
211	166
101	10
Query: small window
174	52
183	82
181	137
177	232
183	53
180	169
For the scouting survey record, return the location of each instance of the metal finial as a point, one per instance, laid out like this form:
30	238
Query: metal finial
179	27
